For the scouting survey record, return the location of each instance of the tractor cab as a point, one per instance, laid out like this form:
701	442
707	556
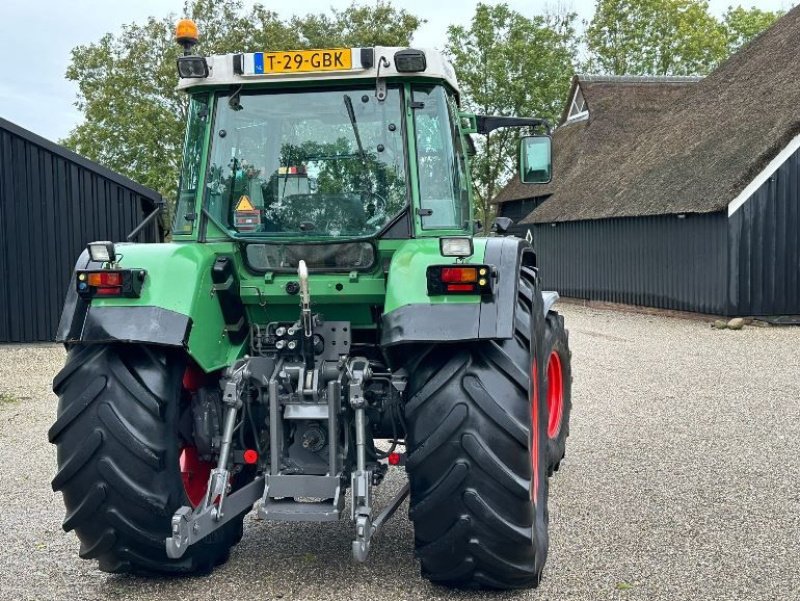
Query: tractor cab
323	145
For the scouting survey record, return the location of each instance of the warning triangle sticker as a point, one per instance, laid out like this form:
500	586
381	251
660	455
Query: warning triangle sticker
245	204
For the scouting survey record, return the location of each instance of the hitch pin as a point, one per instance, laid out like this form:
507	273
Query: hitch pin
305	299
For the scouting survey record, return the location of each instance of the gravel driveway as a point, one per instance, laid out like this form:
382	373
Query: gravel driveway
682	481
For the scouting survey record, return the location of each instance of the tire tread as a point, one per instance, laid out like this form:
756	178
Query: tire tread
470	471
117	445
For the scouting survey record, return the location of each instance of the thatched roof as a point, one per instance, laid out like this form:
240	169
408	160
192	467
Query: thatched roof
694	154
620	108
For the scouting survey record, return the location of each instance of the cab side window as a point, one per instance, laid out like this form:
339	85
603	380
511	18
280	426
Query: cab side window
443	188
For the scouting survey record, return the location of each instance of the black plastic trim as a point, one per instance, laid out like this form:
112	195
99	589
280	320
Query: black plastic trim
506	254
226	286
431	323
238	64
488	123
141	325
73	315
361	269
367	58
399	228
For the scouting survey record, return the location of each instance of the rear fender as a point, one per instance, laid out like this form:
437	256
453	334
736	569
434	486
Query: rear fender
550	299
453	319
178	292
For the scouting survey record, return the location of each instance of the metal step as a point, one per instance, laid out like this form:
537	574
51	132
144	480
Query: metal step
305	411
281	492
289	510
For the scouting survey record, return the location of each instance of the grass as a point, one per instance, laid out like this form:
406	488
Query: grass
624	586
8	399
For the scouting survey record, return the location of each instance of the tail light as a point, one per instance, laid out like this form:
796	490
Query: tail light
125	283
460	279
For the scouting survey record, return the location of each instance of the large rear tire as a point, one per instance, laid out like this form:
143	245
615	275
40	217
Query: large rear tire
119	459
558	389
477	456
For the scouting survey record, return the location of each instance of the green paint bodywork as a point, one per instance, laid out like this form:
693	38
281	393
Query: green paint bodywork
179	273
407	274
179	279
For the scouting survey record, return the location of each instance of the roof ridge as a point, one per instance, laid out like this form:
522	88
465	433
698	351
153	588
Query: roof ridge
589	78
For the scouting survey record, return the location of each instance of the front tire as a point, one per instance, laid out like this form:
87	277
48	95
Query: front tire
118	459
477	457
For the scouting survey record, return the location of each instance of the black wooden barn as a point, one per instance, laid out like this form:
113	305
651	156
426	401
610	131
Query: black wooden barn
677	193
52	202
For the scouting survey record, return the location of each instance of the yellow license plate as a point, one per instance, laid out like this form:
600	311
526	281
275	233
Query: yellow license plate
299	61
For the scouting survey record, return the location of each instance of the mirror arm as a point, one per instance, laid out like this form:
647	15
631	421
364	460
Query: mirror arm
487	124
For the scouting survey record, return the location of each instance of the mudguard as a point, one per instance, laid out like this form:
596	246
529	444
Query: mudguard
550	299
80	322
482	319
179	291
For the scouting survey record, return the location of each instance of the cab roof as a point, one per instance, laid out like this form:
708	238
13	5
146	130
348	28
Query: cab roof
253	68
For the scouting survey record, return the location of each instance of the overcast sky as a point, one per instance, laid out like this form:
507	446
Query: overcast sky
36	38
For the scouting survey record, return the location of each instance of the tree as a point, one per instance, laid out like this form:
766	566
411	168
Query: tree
133	116
509	64
743	25
378	25
655	37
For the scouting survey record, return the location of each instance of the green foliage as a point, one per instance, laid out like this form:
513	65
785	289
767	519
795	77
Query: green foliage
745	24
667	37
133	116
8	399
377	25
655	37
509	64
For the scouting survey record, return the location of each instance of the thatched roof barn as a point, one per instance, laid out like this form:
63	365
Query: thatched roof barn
689	189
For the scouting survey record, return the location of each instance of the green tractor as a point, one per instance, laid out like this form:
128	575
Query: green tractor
323	313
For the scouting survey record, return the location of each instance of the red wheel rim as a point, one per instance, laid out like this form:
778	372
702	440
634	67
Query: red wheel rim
535	431
194	471
555	394
195	474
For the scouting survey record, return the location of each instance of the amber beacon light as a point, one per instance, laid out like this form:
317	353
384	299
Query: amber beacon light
186	34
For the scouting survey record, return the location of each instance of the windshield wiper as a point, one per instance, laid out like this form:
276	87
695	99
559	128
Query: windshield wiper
348	103
365	180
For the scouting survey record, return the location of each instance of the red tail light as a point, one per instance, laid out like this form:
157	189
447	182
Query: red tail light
452	275
460	279
461	287
126	283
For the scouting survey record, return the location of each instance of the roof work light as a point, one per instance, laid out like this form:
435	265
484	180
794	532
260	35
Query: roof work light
102	252
456	247
410	61
192	66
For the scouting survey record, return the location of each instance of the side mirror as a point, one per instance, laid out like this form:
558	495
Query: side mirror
502	225
536	160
